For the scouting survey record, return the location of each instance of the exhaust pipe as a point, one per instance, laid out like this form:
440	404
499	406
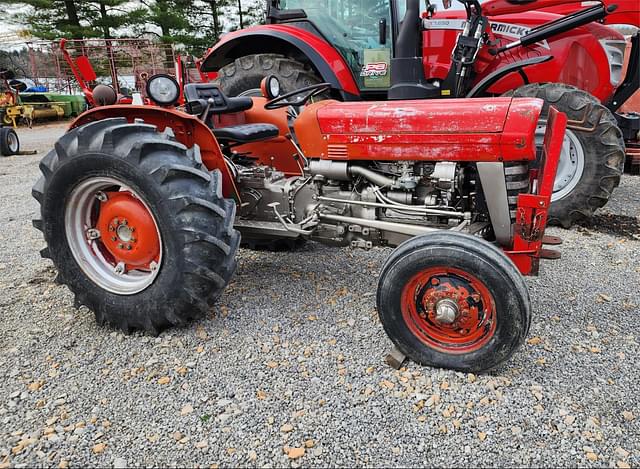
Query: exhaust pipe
342	171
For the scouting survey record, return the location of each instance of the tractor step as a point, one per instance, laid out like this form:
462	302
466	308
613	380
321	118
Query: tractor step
551	240
549	254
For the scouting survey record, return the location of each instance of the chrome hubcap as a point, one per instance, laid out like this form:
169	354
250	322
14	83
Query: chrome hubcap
446	311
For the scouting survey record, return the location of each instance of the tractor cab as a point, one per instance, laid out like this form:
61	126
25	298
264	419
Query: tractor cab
381	41
362	31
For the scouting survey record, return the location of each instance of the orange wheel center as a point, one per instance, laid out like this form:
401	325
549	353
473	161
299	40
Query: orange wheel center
449	310
128	230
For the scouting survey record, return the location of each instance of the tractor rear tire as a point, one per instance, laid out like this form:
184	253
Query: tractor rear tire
591	163
454	301
135	224
244	75
9	142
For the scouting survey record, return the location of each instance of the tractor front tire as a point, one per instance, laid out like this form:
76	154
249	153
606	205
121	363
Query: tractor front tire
135	224
9	142
592	160
454	301
243	76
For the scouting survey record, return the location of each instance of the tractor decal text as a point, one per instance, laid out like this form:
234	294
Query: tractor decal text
514	31
376	69
507	30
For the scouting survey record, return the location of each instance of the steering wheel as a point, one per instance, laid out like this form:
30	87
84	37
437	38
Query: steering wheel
307	93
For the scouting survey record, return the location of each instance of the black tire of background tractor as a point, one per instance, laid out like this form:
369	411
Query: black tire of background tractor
604	150
247	72
6	134
480	259
194	220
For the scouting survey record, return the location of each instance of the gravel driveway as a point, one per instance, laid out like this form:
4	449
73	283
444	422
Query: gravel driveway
288	369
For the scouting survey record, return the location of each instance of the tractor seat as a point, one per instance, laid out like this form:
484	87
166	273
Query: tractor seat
245	133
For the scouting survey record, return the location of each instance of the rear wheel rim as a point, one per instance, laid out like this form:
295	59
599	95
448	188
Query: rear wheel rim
449	310
252	92
570	164
12	142
113	235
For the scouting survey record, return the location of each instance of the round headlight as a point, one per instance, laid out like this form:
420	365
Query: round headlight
270	87
163	90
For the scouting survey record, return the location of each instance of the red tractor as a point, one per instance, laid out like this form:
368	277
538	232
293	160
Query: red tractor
142	206
389	49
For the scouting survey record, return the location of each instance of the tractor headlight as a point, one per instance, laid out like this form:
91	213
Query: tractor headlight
163	90
270	87
614	49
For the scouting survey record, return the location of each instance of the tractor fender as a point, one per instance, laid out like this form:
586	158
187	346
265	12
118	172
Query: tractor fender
291	41
496	75
188	130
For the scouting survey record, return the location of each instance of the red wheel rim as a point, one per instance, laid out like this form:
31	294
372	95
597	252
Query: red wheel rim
130	234
449	310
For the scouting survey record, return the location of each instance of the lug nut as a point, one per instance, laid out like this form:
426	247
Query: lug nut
119	269
121	246
128	247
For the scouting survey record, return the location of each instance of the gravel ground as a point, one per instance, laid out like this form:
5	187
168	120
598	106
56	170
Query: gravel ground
288	370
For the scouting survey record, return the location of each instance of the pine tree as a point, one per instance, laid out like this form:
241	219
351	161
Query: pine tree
53	19
110	16
75	19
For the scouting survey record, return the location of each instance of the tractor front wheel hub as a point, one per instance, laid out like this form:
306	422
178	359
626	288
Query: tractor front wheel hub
449	310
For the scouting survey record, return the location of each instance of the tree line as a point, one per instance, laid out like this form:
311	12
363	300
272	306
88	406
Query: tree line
194	24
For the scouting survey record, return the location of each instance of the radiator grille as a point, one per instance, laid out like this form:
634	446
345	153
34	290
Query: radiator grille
337	151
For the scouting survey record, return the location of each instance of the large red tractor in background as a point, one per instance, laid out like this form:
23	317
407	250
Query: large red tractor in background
569	58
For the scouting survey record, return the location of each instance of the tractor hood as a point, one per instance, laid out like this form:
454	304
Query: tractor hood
480	129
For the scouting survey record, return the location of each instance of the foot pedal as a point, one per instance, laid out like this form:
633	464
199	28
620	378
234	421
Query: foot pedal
395	359
549	254
551	240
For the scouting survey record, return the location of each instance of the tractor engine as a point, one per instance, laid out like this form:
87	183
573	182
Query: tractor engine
366	204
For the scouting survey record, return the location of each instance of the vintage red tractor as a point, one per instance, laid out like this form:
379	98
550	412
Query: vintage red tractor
502	47
142	207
